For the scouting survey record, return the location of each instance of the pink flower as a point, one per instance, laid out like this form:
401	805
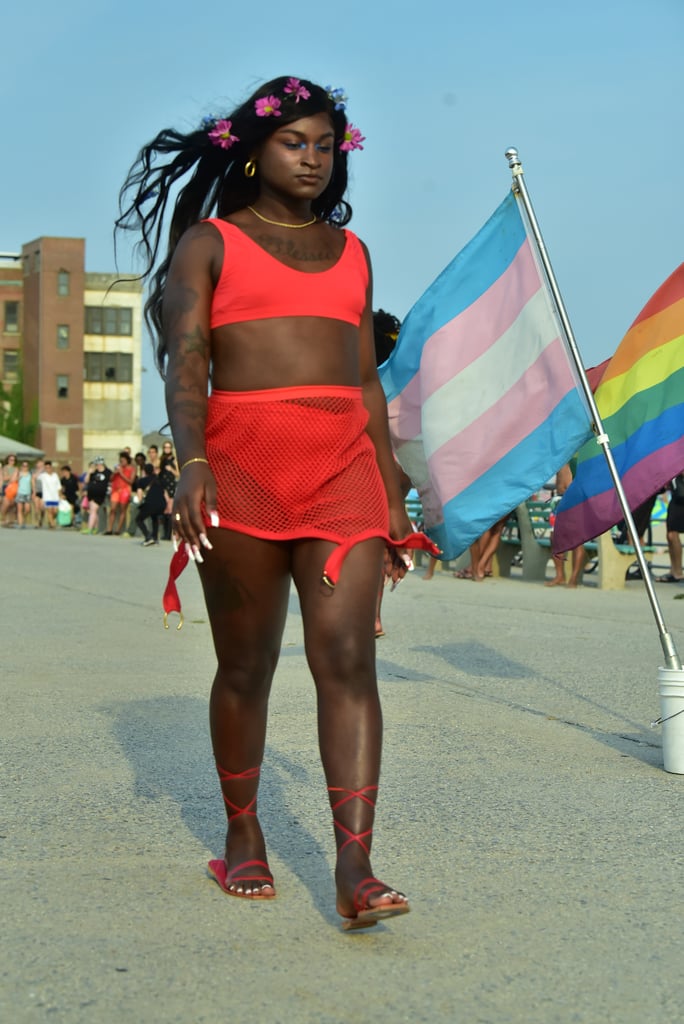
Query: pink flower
352	139
220	134
295	88
268	106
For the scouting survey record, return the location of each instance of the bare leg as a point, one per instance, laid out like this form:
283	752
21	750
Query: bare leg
559	565
674	547
579	559
246	585
338	636
93	515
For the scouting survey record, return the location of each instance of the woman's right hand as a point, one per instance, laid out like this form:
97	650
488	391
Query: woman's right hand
194	502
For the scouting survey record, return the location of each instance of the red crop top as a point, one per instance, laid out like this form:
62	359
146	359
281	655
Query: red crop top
254	285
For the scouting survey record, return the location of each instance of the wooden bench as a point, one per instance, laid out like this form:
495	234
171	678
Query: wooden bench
529	532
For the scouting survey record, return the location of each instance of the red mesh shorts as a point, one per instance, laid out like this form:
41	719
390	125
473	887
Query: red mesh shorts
295	462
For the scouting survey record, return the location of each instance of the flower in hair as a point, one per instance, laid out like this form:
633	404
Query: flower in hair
295	88
267	106
337	96
352	139
220	134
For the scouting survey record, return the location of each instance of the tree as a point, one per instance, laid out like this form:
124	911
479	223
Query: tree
12	413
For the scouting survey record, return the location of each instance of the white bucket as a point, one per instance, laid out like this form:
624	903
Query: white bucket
671	684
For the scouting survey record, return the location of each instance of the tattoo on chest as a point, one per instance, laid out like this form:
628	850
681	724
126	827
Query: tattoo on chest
296	250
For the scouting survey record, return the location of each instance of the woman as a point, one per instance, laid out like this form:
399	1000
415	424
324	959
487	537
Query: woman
10	477
121	483
288	461
97	486
169	473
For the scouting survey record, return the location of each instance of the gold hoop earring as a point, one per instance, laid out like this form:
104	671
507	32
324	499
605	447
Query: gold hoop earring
250	169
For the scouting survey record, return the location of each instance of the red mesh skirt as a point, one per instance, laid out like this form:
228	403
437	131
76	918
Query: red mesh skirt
295	462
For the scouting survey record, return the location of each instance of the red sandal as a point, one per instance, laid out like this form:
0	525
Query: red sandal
366	916
218	869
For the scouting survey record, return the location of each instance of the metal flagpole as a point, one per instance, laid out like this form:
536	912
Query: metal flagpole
520	191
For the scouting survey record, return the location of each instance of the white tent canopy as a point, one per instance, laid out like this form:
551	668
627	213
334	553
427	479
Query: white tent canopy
18	448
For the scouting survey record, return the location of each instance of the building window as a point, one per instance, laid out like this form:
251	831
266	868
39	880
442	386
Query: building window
36	260
114	367
62	385
10	364
109	320
63	282
11	317
62	336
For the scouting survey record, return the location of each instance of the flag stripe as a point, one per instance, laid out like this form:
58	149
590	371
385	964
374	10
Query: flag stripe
588	519
652	370
662	432
459	285
500	371
513	478
461	458
641	402
670	291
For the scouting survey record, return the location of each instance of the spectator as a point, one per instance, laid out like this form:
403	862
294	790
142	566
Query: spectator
24	494
70	489
675	526
153	504
52	489
38	511
10	476
97	485
121	482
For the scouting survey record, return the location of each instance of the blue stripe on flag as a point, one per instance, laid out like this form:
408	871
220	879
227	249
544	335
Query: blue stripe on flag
593	476
513	478
475	269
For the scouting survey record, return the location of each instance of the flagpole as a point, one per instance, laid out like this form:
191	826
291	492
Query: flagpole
520	191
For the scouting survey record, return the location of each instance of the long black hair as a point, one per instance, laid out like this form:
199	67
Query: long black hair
218	185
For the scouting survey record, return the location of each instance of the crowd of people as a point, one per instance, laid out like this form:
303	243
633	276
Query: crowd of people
130	499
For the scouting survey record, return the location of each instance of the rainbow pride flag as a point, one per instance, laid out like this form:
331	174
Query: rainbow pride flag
641	402
482	397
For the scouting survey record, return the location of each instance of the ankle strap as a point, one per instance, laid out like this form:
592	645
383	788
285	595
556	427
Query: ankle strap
226	776
353	794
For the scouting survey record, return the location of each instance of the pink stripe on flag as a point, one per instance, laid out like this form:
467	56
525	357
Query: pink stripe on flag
532	399
470	334
466	337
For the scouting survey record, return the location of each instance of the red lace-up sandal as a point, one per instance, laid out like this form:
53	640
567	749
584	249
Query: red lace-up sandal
366	916
218	869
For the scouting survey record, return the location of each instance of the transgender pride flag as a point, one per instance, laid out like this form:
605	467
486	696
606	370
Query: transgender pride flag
483	400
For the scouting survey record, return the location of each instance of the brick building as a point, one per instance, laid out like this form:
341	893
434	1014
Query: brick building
75	339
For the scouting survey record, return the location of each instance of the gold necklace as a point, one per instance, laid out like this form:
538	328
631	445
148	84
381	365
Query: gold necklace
278	223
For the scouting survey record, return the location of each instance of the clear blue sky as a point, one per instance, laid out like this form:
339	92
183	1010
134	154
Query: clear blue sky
589	92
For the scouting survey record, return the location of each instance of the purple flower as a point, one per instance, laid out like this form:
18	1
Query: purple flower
295	88
267	106
220	134
352	139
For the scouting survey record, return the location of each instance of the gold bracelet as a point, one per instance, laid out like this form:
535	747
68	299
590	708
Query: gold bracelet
199	458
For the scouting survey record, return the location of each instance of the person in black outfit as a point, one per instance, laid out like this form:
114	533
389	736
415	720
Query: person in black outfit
153	504
70	488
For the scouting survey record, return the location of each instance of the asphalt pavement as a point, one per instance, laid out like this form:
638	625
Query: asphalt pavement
523	807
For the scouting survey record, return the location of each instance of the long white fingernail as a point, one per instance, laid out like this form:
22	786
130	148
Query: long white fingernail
189	553
175	543
214	518
198	554
205	542
408	562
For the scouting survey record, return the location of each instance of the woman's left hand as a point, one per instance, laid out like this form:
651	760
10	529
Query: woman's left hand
397	559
